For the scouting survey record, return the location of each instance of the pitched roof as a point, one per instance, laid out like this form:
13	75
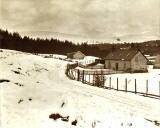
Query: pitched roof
70	55
122	54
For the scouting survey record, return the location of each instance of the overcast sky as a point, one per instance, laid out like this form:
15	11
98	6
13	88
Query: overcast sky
130	20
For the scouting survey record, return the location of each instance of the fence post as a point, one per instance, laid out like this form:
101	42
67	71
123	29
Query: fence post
75	74
83	77
117	84
159	88
70	72
146	87
102	77
103	80
135	86
93	80
78	72
126	85
89	77
67	69
110	82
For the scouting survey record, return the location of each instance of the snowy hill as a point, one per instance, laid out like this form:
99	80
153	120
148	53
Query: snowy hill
34	90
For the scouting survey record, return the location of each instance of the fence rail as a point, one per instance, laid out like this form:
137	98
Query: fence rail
101	79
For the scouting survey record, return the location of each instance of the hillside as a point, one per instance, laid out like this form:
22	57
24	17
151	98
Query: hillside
35	89
149	47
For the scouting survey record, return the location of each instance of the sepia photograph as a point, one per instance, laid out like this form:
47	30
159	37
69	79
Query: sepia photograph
79	63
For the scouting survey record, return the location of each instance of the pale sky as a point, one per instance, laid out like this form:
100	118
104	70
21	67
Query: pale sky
129	20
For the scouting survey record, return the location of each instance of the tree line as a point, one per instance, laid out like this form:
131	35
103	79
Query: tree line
15	41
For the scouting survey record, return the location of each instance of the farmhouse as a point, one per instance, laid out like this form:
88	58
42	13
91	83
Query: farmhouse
126	60
75	55
157	62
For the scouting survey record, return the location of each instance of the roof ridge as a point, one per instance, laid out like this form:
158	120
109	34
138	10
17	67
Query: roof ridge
122	54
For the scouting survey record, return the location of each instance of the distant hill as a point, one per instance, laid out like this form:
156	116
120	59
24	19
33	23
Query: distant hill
56	35
149	47
113	38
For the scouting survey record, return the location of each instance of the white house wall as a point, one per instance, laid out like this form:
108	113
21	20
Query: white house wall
139	62
78	55
122	65
157	62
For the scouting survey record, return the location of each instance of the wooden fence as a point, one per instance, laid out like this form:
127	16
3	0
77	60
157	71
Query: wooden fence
101	79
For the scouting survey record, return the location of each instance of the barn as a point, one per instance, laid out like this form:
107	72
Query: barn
129	60
157	62
75	55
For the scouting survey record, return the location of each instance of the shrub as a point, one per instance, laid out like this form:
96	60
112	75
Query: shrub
4	80
17	72
74	123
99	80
57	116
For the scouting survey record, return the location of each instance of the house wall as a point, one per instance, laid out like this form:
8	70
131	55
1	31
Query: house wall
78	55
139	62
122	65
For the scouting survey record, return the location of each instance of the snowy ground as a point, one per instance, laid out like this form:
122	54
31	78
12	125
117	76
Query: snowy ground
33	88
153	79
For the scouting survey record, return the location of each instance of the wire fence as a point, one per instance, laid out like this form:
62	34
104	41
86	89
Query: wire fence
103	79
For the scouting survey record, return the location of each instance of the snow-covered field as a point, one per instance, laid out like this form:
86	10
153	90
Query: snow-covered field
153	80
32	88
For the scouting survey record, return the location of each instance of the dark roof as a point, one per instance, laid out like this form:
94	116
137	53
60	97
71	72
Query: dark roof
122	54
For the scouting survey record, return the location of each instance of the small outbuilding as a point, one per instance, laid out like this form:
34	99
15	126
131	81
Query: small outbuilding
75	55
157	62
130	60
